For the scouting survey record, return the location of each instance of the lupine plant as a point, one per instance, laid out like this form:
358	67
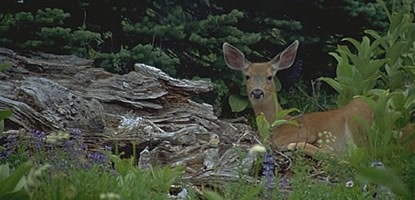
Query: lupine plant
64	168
63	150
265	130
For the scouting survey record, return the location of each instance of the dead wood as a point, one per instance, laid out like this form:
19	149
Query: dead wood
146	107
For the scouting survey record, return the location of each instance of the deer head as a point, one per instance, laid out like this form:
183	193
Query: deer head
260	76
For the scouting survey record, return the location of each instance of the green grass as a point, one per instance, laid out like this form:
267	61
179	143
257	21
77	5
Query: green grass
308	97
322	177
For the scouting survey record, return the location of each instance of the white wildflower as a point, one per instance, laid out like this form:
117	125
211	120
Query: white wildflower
349	183
109	195
257	149
320	134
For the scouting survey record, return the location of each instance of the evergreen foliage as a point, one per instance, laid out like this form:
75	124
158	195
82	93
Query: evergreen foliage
44	30
184	38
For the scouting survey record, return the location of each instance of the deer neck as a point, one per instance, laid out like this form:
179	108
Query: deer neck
267	106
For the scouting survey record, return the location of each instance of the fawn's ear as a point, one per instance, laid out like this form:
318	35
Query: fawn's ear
234	58
285	59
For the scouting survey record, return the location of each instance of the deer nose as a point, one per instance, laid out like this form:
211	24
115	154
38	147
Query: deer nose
257	93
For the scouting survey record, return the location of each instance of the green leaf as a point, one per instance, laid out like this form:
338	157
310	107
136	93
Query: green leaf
280	122
17	195
263	126
277	83
371	69
373	33
122	166
9	184
237	103
5	114
4	171
355	43
285	112
395	51
333	83
1	127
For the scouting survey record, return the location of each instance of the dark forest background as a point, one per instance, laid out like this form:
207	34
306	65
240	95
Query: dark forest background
184	38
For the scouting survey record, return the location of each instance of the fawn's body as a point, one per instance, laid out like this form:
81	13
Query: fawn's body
341	123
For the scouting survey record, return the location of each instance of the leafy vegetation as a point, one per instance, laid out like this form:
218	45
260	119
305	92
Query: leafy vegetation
380	68
13	185
59	166
183	39
386	61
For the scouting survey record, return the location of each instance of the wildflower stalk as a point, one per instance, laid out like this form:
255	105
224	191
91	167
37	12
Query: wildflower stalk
268	173
134	143
264	129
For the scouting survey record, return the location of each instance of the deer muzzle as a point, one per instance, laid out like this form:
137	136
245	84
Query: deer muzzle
257	94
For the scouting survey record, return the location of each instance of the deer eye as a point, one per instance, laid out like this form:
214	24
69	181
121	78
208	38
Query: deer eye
247	77
269	78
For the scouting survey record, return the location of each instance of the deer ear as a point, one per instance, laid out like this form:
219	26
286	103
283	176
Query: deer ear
234	58
285	59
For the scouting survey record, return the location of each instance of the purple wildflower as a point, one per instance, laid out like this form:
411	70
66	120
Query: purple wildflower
69	145
107	148
84	147
268	171
37	140
10	147
98	157
71	148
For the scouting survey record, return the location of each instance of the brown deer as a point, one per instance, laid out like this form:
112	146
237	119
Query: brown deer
341	123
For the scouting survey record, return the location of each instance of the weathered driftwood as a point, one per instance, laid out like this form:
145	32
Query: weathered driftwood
146	107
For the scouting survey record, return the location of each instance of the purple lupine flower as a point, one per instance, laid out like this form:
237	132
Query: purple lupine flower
97	157
10	147
71	148
69	145
38	139
268	171
107	148
7	150
84	147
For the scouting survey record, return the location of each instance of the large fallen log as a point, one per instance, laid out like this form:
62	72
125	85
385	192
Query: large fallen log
146	106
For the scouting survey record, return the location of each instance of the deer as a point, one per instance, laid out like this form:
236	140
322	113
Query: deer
342	123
